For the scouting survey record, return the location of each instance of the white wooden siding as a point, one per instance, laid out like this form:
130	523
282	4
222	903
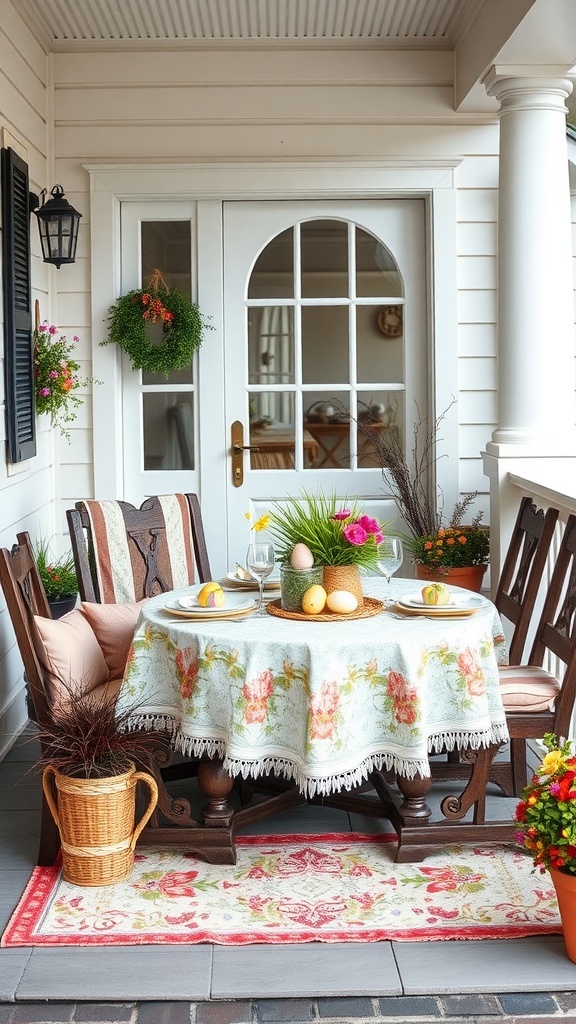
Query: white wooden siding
26	490
310	104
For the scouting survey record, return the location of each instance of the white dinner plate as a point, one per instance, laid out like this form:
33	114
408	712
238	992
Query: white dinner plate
236	604
271	583
459	603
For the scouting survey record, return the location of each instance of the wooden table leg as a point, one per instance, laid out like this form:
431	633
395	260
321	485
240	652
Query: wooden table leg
216	784
414	810
419	835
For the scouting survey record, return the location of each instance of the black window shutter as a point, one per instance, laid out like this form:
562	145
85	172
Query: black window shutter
18	342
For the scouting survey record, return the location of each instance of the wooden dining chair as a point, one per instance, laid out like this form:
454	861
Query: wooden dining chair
538	700
61	658
518	587
523	570
124	554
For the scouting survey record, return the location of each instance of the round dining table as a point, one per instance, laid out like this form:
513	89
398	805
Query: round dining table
324	704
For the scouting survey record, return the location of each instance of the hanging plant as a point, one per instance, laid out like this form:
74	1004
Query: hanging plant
182	325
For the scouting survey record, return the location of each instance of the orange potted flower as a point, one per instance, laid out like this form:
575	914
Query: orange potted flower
547	818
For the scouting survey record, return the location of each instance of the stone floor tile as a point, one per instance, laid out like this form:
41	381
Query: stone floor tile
119	973
12	965
235	1011
268	1010
359	1006
312	970
470	1005
6	1012
164	1013
113	1012
409	1006
536	964
528	1002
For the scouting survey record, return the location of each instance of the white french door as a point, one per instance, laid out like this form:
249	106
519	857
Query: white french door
159	415
320	310
324	325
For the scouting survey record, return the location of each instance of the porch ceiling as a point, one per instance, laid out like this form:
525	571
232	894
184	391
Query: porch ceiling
431	23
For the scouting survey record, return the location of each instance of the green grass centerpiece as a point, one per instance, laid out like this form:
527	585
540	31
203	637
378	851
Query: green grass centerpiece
336	531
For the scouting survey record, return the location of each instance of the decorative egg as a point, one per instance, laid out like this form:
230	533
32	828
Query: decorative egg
435	593
342	602
314	600
211	596
301	557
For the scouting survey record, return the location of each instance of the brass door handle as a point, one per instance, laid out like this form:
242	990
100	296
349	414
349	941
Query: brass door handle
237	448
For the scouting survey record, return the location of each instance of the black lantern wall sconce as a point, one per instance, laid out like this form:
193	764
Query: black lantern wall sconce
58	224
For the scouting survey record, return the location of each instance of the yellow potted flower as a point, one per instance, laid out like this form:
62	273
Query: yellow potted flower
547	818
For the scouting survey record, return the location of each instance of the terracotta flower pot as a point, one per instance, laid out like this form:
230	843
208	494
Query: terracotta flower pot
565	886
469	577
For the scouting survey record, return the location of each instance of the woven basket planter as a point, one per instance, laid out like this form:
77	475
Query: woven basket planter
343	577
95	818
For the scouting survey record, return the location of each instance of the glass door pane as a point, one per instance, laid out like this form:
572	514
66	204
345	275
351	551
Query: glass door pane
167	403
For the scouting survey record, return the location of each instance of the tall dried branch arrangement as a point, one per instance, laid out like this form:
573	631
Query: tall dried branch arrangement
408	477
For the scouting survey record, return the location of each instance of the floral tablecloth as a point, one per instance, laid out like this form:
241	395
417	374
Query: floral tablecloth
322	703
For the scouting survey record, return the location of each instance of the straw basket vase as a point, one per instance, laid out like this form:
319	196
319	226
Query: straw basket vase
95	818
343	577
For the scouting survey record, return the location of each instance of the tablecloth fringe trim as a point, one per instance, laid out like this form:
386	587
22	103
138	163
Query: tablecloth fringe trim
409	768
183	744
331	783
471	740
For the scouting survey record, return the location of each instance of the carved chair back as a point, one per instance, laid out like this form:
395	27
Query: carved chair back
123	553
550	688
523	570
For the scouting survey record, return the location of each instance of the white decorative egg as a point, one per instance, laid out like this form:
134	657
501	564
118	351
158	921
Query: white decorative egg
301	557
342	602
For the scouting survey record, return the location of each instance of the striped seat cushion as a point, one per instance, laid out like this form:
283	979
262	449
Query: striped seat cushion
528	688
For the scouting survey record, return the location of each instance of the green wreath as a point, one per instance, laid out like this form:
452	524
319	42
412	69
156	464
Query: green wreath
182	327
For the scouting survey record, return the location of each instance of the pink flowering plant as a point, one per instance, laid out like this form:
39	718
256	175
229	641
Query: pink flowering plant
547	811
56	376
337	532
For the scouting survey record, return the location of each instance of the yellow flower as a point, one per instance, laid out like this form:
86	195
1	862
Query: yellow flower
551	763
260	524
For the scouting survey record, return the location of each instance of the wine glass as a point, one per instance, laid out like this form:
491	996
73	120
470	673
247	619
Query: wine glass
390	556
260	563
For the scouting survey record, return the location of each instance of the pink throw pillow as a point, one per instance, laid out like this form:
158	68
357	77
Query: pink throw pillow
114	626
70	656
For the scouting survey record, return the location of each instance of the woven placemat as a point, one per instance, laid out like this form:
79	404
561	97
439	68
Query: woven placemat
371	606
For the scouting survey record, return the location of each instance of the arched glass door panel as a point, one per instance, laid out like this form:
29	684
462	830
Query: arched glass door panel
317	353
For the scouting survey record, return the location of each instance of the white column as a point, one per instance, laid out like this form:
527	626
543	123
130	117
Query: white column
536	398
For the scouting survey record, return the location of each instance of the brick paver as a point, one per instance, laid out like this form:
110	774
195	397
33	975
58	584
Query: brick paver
506	1008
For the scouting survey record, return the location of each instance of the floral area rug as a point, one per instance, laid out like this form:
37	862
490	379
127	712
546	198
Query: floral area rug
299	888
